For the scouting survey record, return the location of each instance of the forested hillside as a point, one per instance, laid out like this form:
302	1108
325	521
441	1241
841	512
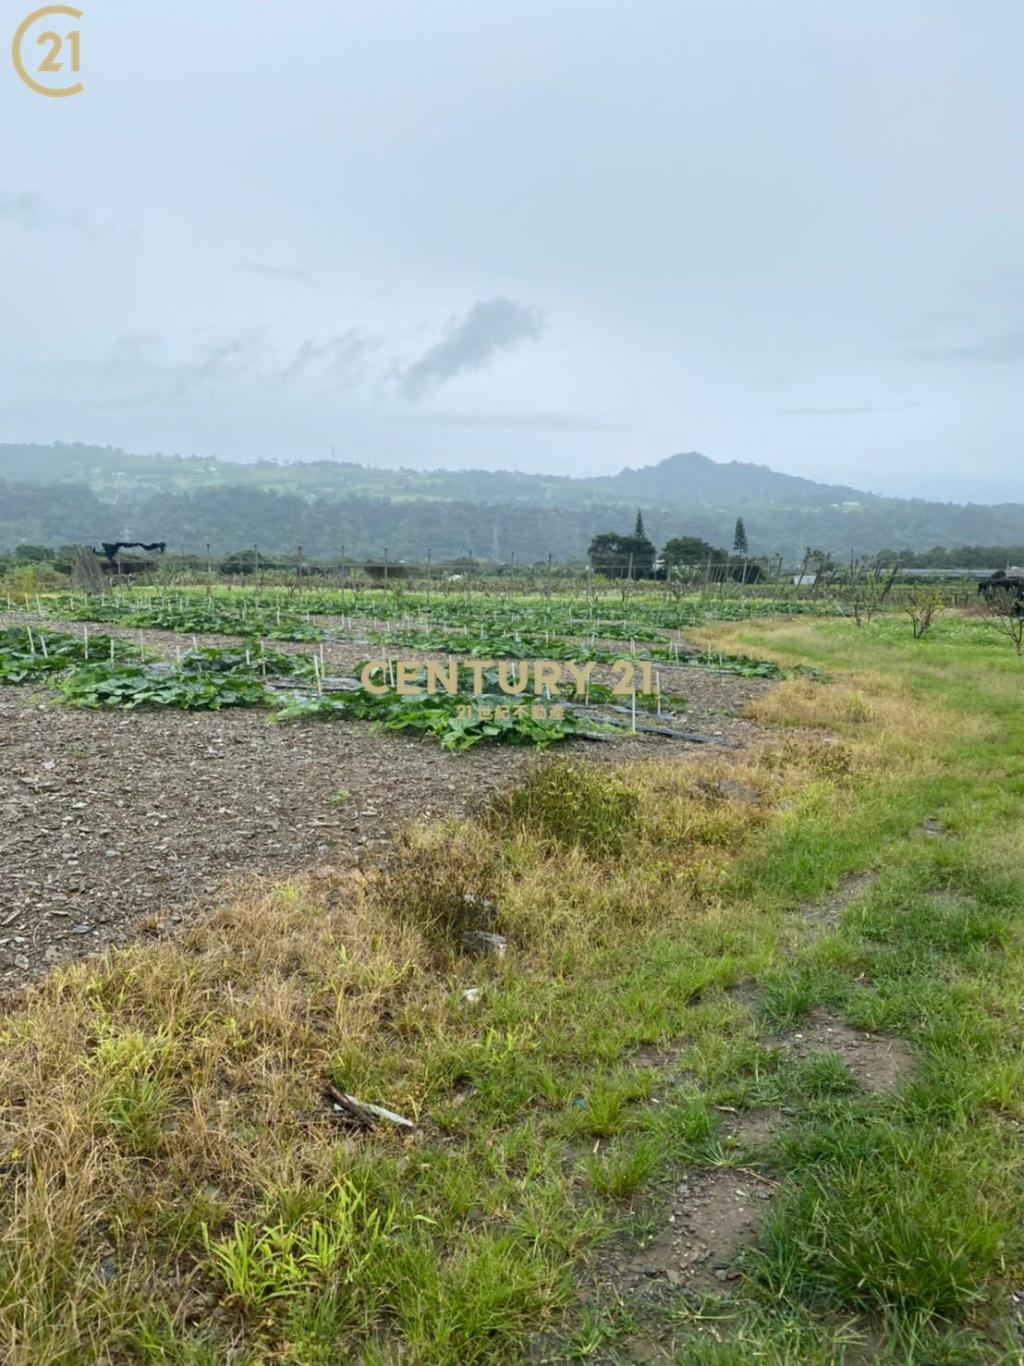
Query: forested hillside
59	494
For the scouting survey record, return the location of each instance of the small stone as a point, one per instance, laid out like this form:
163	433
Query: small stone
81	929
482	903
480	941
737	792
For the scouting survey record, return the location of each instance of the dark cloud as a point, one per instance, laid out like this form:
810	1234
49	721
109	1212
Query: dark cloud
490	327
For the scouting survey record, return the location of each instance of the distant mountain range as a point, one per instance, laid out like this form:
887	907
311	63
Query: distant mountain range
77	493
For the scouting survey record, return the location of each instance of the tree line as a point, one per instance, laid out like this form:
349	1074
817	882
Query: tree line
635	555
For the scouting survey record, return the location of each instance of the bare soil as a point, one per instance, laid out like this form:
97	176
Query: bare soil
878	1062
709	1218
709	1215
114	824
825	915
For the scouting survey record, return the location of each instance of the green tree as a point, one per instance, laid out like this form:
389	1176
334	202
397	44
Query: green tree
739	538
691	550
623	556
644	551
608	553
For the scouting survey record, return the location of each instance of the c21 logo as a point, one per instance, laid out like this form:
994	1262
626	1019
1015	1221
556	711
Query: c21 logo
60	51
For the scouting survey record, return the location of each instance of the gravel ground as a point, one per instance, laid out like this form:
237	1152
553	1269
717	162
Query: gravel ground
115	823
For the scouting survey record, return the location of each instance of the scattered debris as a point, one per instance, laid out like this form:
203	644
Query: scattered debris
360	1112
482	903
934	827
481	941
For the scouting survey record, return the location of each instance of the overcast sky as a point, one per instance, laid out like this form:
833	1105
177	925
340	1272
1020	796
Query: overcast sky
563	235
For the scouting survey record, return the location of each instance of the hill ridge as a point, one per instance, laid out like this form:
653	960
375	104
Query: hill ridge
68	492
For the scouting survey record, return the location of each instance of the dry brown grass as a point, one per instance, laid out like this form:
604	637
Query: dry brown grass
875	714
171	1085
177	1086
186	1077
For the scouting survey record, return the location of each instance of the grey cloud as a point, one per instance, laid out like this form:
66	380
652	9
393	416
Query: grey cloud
541	422
137	370
340	359
300	275
32	213
488	328
854	410
1003	348
134	371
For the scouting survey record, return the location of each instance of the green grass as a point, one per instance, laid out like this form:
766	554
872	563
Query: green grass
177	1191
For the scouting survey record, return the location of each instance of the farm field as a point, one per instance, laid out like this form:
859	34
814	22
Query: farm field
512	687
117	821
745	1083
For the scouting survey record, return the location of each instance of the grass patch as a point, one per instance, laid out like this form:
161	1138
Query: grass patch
176	1189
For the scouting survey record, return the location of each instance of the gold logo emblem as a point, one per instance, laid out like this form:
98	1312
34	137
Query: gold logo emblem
60	52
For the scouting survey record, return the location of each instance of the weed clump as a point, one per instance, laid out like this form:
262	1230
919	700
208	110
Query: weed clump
440	887
824	759
573	806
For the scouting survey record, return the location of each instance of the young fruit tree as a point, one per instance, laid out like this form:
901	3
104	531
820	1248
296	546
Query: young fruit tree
1004	611
866	590
922	606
